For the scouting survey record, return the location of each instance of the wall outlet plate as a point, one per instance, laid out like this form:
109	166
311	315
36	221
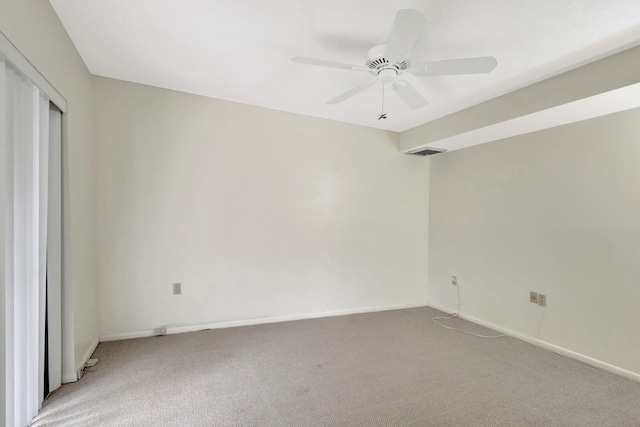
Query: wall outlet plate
177	288
542	300
533	297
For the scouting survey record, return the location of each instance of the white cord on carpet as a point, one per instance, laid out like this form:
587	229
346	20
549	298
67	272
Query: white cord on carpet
454	315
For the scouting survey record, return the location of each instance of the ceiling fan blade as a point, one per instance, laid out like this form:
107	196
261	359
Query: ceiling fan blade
452	67
354	90
325	63
407	29
408	94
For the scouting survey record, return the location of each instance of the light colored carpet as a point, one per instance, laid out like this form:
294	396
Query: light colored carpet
394	368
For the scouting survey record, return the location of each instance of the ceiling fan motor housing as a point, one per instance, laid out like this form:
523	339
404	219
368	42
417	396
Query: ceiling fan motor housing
378	59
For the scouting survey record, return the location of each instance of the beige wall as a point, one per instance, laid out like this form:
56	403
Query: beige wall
557	212
33	27
257	213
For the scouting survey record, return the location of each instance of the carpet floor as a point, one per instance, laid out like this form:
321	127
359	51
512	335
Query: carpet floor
393	368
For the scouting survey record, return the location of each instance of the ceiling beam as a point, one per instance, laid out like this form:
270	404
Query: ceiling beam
535	107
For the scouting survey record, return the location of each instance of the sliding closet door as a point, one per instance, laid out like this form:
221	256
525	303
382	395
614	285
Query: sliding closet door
24	196
5	247
31	248
36	321
54	251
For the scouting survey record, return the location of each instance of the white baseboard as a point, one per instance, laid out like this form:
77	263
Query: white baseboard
70	378
176	329
547	346
66	379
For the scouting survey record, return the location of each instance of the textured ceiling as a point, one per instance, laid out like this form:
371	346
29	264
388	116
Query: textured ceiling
239	50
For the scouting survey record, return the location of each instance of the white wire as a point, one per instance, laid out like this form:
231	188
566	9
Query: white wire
454	315
540	322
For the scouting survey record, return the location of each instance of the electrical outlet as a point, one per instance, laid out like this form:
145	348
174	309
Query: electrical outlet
533	297
454	280
542	300
162	330
177	288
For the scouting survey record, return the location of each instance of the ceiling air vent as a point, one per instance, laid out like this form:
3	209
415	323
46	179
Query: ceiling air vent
428	151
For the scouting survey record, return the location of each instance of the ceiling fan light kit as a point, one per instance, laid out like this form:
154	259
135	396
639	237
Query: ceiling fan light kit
387	75
387	61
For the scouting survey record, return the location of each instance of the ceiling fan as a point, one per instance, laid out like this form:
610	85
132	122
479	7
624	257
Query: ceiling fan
388	60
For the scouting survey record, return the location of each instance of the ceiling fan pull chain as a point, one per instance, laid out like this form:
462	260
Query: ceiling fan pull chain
383	115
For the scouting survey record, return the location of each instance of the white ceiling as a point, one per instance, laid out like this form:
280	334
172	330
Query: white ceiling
239	50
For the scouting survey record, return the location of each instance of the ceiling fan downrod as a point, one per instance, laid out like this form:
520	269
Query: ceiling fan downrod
382	115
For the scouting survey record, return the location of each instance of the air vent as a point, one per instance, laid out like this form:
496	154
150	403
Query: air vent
428	151
383	62
378	62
